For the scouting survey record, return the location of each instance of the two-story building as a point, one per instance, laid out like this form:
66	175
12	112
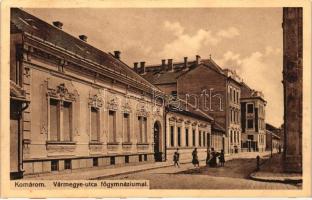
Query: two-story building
86	107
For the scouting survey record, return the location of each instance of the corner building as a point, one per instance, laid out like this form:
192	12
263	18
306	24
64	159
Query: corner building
86	107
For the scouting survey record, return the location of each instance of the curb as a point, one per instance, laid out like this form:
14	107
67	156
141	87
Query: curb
289	180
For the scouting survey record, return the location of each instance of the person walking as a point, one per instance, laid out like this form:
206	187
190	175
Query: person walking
176	157
195	160
221	158
213	161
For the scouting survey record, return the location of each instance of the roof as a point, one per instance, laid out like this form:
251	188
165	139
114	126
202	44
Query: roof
248	93
273	134
182	107
22	21
158	76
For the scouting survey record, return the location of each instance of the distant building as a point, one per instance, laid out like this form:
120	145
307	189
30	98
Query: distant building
273	138
252	119
292	82
206	86
187	130
87	108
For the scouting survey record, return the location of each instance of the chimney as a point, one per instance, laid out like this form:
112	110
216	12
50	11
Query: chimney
185	63
58	24
83	37
117	54
135	67
163	64
170	65
197	59
142	69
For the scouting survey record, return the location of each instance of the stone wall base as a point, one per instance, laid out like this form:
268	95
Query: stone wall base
293	164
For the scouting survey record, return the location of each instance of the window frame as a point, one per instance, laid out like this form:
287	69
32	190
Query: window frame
60	114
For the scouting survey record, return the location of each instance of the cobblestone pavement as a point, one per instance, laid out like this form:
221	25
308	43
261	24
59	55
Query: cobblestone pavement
233	176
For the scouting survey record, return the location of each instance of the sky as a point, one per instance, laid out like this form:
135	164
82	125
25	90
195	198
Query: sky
248	40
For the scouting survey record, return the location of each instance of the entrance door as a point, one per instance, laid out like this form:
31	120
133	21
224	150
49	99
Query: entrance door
157	132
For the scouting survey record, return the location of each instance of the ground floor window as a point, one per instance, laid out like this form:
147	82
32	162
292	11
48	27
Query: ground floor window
171	136
95	162
67	164
193	138
54	165
179	136
186	137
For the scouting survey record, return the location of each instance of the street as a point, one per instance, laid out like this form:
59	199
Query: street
233	176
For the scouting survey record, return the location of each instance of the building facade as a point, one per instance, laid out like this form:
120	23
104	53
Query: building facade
190	129
86	108
253	119
205	86
292	82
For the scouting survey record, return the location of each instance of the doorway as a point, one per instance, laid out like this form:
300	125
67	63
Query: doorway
157	149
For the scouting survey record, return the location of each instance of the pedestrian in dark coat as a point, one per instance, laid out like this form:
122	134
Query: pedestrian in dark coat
221	158
213	160
195	160
176	158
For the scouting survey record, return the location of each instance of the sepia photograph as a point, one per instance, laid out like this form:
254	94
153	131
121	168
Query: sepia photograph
158	98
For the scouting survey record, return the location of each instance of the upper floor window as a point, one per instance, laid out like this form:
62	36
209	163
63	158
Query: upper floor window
60	120
250	108
250	123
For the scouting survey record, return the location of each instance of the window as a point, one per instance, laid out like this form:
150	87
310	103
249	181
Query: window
174	94
95	162
179	136
145	157
208	139
193	138
199	139
171	136
143	129
67	164
112	126
54	117
250	108
126	127
140	158
231	94
250	123
126	159
250	137
54	165
112	160
94	124
204	139
60	120
186	137
231	134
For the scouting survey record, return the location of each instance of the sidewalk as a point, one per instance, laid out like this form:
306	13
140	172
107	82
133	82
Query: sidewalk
104	172
272	171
